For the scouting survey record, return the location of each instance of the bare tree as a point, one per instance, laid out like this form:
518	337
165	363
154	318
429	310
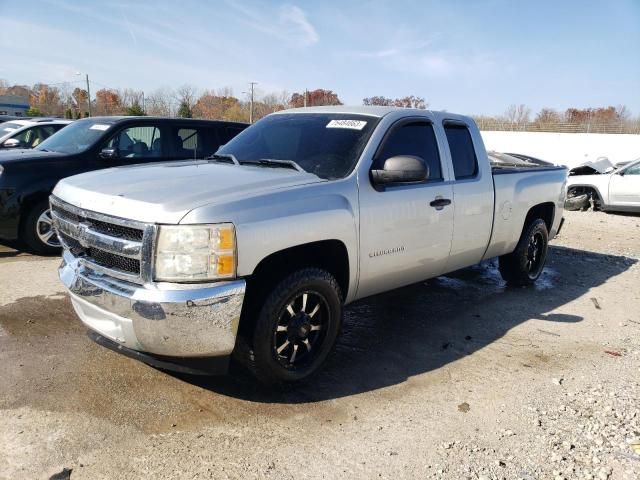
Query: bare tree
187	95
161	102
410	101
224	92
623	113
517	115
130	97
547	117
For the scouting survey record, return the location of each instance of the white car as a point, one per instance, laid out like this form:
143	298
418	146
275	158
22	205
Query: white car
606	188
28	133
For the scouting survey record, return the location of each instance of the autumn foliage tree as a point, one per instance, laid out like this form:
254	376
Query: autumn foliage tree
315	98
222	107
80	100
108	102
595	115
45	99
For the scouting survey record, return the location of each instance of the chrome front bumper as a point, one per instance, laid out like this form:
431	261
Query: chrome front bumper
164	319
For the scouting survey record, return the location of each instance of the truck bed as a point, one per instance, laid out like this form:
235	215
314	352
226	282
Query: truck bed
516	188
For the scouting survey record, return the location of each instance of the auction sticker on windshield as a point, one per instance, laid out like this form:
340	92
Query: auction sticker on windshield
352	124
99	126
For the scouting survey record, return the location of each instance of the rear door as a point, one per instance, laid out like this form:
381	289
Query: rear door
192	141
404	236
472	194
624	187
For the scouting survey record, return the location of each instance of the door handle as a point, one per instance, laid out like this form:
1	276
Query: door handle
439	203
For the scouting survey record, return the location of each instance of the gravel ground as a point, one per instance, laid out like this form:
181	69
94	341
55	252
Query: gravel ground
455	378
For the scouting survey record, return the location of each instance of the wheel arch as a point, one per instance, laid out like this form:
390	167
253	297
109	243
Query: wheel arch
546	211
330	255
588	188
27	202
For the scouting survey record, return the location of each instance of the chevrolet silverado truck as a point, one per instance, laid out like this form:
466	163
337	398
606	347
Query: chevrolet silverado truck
256	250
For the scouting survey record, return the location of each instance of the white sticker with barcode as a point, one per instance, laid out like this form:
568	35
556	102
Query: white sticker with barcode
99	126
352	124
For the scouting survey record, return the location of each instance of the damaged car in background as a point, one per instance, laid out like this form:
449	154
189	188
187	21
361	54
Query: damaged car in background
604	186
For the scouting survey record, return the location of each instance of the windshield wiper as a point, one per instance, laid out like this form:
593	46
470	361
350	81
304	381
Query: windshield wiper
271	162
222	157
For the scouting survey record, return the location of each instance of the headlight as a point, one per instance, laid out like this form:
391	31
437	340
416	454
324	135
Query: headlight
191	253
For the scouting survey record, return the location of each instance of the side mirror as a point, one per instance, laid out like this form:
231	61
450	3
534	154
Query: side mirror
401	169
108	153
11	143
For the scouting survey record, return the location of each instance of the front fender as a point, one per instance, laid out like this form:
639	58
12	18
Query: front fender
269	223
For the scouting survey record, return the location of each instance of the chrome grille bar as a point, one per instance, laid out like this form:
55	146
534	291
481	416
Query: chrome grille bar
90	238
110	246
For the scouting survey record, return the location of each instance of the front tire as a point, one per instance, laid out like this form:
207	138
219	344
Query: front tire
525	264
297	327
37	231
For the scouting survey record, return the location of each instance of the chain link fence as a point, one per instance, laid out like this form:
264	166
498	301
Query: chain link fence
630	126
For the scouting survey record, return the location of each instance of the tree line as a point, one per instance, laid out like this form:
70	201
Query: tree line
610	119
64	100
186	101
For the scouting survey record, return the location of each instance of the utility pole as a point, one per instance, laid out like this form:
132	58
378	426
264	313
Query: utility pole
306	92
143	110
88	96
251	84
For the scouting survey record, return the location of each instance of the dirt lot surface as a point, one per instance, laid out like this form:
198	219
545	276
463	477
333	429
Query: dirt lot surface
455	378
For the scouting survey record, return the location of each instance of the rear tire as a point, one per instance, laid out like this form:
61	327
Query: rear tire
297	327
37	231
525	264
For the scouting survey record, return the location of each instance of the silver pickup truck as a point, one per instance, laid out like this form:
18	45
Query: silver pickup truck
255	250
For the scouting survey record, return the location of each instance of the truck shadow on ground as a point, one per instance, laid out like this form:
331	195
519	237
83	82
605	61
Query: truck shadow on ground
391	337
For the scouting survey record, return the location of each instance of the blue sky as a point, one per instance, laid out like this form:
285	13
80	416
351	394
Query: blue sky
475	57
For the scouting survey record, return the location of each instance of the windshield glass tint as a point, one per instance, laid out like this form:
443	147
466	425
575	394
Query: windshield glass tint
76	137
327	145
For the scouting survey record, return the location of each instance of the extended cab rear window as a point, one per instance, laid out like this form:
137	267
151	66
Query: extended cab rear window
463	155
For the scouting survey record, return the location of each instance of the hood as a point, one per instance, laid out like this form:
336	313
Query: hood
601	165
14	155
166	192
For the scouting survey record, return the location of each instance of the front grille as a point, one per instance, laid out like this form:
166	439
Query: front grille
112	261
66	214
71	243
117	231
106	243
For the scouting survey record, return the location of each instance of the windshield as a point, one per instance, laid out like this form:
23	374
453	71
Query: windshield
75	137
8	127
325	144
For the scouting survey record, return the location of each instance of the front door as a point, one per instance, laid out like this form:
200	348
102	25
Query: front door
134	144
624	188
403	238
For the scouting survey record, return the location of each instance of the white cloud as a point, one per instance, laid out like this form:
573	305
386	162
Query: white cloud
289	24
295	18
421	58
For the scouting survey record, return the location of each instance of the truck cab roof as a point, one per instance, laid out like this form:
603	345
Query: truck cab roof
377	111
